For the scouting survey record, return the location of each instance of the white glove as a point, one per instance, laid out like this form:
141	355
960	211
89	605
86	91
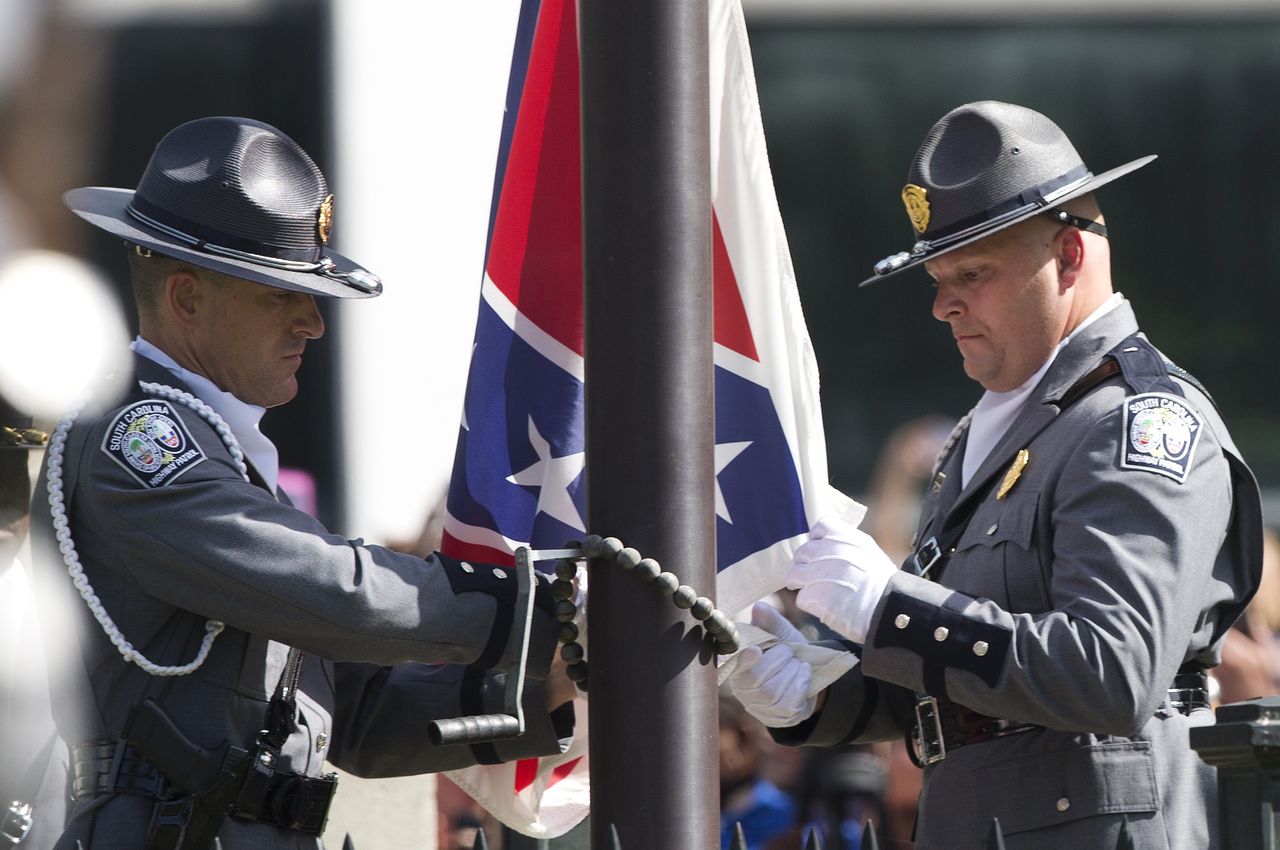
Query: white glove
841	574
773	685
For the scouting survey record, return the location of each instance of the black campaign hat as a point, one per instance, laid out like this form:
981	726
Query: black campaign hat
236	196
983	167
16	431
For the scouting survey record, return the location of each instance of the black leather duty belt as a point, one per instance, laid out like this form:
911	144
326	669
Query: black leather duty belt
96	770
289	800
942	725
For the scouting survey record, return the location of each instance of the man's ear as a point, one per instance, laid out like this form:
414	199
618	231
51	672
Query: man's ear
184	294
1070	257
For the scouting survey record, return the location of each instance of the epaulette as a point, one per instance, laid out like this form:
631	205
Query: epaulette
1183	375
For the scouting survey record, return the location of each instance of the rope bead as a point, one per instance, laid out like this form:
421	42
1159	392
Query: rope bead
727	645
684	596
648	570
628	559
702	608
591	546
717	626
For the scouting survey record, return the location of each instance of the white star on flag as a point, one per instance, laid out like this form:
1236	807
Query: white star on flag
725	454
553	476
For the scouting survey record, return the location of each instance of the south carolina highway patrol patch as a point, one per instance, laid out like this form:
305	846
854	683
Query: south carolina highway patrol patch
151	443
1160	435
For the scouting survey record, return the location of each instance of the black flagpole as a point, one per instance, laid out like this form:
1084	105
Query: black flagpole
650	417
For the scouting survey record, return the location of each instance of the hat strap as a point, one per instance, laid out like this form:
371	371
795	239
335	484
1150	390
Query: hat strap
217	242
1042	195
1078	222
358	279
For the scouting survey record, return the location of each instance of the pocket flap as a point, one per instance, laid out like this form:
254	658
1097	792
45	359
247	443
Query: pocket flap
997	521
1059	787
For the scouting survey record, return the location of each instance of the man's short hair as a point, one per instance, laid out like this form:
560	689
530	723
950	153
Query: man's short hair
148	272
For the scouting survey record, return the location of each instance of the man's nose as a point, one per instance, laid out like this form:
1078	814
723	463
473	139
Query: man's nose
946	304
310	323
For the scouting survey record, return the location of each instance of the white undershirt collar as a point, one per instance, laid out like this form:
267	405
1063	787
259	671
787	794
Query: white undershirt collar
241	417
995	412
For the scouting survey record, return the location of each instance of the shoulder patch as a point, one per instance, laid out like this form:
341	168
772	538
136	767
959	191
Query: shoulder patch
1160	434
150	442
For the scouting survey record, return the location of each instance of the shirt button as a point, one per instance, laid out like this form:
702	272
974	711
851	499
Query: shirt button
940	633
1063	804
980	648
321	740
902	621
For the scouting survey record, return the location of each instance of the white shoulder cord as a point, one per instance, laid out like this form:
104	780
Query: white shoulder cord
71	558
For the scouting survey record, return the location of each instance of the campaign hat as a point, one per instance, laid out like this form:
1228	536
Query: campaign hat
236	196
984	167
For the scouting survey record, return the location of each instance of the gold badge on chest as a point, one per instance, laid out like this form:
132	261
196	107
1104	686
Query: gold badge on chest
1015	472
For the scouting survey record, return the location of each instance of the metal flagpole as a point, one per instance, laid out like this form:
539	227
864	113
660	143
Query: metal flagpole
650	417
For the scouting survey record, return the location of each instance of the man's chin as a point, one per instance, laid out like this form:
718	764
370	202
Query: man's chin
283	397
282	393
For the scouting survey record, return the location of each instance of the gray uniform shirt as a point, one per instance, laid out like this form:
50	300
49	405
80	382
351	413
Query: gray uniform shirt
171	535
1070	603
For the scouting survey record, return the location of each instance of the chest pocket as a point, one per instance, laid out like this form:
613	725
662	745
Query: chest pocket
996	557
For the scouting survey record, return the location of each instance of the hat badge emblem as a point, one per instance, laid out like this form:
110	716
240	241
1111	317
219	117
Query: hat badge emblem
324	220
914	197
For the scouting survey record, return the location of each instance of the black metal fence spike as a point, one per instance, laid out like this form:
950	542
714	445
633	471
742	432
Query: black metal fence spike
614	843
995	837
1125	841
739	840
347	843
481	843
814	842
869	840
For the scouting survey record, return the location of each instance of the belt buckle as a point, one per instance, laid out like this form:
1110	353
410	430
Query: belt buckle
16	823
929	743
926	556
